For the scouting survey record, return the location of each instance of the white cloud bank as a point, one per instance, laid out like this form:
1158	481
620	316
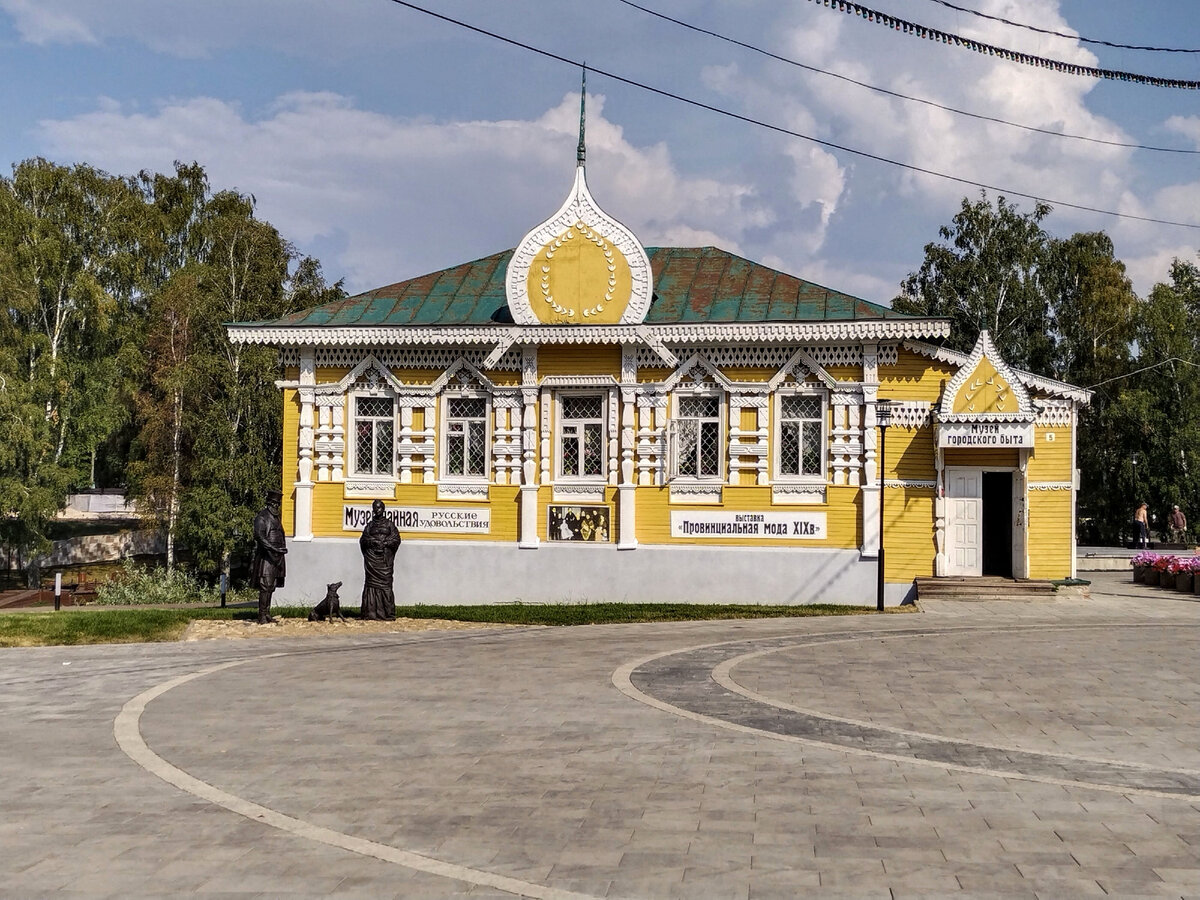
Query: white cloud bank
403	197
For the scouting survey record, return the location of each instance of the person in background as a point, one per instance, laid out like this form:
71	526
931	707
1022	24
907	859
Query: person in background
1141	524
1177	525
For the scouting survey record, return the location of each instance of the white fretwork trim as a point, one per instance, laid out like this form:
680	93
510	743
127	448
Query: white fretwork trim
450	490
578	381
918	483
698	369
435	358
680	334
1050	486
758	356
1031	381
1053	412
579	493
798	367
797	494
695	493
911	413
362	488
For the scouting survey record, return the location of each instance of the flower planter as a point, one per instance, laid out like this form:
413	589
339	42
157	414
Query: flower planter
1152	576
1196	585
1139	574
1185	581
1167	580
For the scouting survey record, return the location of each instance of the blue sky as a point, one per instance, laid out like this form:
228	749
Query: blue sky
389	144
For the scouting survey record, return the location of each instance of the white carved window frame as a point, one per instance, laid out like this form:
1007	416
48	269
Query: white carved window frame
465	393
369	391
799	390
604	395
700	390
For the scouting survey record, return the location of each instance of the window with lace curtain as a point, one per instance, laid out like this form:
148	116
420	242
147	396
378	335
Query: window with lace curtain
698	449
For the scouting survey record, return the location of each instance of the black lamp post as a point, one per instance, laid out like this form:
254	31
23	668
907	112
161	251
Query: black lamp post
883	418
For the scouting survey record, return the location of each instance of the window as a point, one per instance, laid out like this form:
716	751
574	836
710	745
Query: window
466	437
374	438
698	437
801	424
581	436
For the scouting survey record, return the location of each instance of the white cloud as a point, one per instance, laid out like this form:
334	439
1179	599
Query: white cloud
41	23
402	196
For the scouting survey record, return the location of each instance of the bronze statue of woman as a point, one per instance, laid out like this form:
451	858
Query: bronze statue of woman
379	542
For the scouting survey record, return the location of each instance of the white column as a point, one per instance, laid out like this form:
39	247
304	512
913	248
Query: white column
527	528
627	490
302	522
872	475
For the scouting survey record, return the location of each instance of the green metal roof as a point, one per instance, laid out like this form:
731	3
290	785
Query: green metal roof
692	285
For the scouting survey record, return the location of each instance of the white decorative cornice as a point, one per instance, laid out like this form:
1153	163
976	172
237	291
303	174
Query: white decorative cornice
797	494
1031	381
367	367
578	381
489	335
919	483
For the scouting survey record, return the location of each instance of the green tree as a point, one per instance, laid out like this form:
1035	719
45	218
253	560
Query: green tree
986	275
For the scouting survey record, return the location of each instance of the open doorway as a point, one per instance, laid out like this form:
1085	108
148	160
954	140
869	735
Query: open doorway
997	524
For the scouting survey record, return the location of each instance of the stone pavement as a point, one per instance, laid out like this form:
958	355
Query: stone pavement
983	749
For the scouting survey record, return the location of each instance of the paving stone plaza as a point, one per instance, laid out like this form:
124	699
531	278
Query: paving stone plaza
1044	749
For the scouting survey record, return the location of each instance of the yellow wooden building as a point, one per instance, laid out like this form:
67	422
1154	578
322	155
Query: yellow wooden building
586	419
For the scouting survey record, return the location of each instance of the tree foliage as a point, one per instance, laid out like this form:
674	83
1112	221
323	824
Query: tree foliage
115	367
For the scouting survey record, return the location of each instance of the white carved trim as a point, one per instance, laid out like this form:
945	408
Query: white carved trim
797	494
579	493
359	487
800	362
683	492
462	490
579	208
1031	381
693	365
919	483
685	334
461	365
911	413
578	381
1055	413
1050	486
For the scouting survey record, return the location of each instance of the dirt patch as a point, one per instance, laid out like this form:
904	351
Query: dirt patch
204	630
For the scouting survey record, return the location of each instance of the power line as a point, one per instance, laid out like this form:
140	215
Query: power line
779	128
890	93
1027	59
1062	34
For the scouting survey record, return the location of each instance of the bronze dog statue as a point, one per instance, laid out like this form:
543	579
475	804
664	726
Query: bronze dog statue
329	607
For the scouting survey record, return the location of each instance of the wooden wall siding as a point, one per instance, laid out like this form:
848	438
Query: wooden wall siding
331	374
579	361
1051	459
913	377
999	459
291	459
908	533
845	373
910	453
748	373
1050	534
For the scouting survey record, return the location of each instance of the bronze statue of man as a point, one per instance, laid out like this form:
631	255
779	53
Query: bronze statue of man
269	565
379	543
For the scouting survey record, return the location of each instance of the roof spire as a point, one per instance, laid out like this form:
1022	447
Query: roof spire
581	151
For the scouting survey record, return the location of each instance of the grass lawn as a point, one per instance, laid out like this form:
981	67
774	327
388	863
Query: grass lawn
126	625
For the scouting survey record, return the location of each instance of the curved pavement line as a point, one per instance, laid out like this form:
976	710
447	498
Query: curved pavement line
723	675
127	731
622	680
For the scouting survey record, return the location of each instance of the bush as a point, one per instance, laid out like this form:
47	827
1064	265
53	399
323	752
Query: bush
137	586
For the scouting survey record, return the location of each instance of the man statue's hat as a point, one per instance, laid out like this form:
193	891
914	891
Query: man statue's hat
274	495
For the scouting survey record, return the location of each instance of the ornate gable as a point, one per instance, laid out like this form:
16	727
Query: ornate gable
985	389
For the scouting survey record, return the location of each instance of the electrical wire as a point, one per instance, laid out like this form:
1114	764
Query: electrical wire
867	14
1062	34
1156	365
896	94
779	128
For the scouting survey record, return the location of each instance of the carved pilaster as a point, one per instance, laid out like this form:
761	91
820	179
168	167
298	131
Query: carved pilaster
940	561
406	444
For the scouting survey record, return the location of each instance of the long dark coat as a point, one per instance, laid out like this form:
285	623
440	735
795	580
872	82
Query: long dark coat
269	565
